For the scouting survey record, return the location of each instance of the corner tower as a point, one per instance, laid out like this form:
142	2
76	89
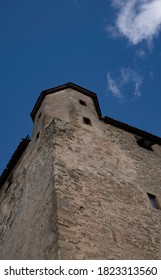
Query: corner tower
68	102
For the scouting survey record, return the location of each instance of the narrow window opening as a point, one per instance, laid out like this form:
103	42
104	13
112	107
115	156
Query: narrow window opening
153	201
83	103
39	116
146	144
87	121
37	135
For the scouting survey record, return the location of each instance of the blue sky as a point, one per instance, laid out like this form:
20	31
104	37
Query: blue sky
111	47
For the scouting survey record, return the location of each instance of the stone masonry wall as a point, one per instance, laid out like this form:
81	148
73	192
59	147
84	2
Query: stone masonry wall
28	216
80	190
102	180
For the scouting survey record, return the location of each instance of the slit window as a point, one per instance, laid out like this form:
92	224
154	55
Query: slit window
87	121
37	135
153	201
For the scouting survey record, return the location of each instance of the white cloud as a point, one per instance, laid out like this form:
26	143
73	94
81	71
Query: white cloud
137	20
114	87
130	75
126	76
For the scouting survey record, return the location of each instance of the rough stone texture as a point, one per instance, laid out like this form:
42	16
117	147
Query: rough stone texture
80	191
28	216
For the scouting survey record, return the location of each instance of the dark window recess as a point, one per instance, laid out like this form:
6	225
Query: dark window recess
87	121
81	208
153	201
39	116
82	102
146	144
37	135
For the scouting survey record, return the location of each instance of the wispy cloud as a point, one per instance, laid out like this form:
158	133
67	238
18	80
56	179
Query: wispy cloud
137	20
140	53
114	87
117	86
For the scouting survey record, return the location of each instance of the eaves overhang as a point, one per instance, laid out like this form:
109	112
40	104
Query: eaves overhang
136	131
63	87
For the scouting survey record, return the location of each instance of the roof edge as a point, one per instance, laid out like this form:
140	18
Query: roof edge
62	87
138	132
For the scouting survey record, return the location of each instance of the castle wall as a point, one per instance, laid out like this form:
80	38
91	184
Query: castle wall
80	189
103	208
28	217
103	178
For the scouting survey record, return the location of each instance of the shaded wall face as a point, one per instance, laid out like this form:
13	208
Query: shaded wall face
28	226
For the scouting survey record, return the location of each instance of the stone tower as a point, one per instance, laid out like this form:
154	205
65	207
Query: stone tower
84	187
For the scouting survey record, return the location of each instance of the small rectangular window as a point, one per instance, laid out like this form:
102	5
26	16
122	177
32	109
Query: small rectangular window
153	201
146	144
87	121
83	103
